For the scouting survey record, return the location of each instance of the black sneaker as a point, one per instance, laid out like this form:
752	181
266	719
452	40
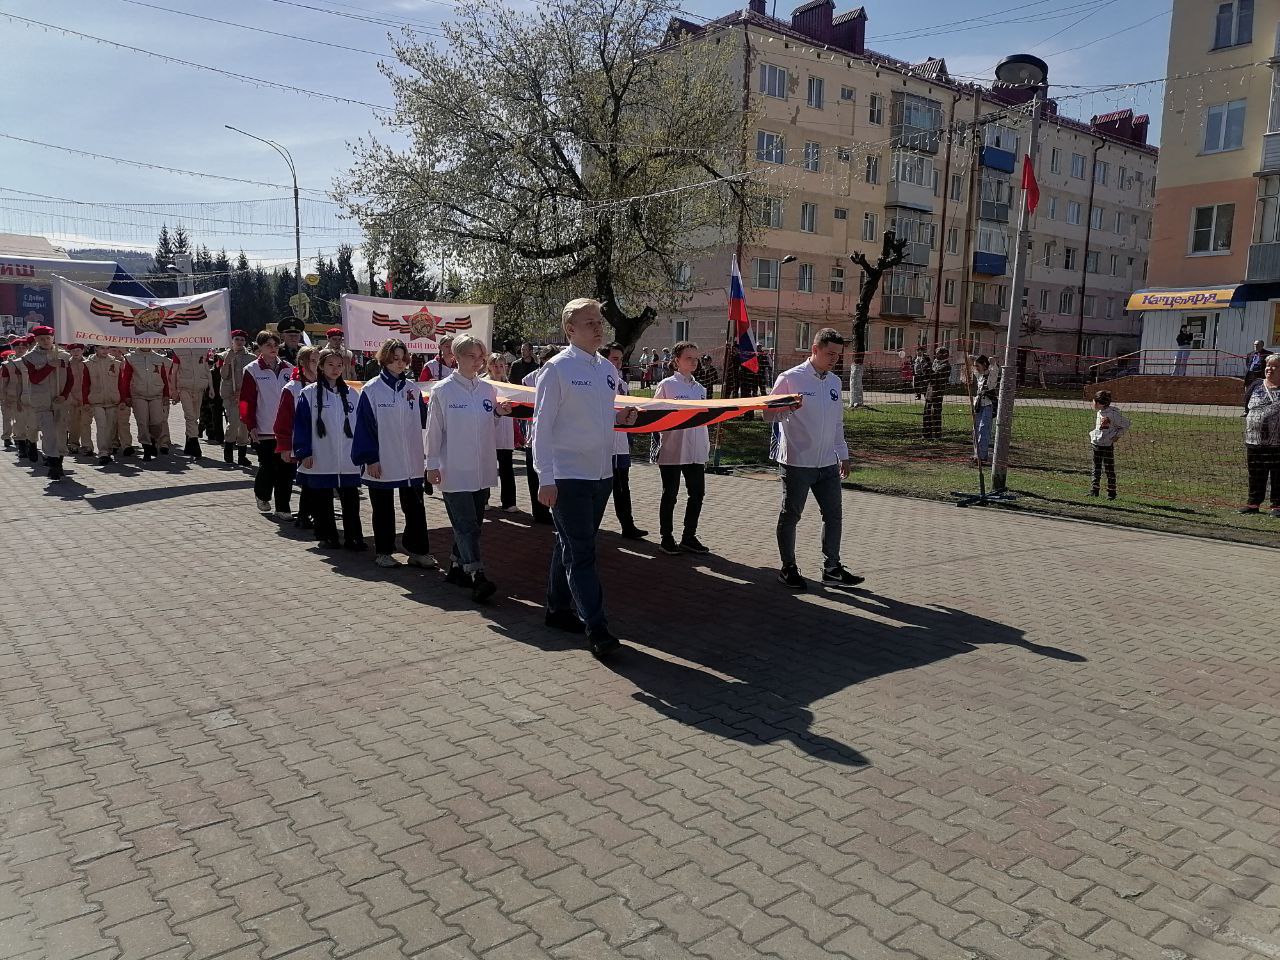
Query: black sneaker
635	533
790	577
669	545
458	577
841	577
1248	510
128	452
694	545
565	620
105	461
602	642
359	545
482	588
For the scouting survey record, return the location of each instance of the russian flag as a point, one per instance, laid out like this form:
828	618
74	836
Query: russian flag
741	325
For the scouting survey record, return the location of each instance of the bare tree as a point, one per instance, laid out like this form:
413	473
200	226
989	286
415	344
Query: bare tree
892	252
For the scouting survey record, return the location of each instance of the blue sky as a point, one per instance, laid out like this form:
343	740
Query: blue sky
78	93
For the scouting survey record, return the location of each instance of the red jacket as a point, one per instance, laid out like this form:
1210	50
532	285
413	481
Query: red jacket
283	428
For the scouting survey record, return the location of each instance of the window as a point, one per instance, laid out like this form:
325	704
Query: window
1073	212
1115	265
1119	222
1066	302
1069	258
766	334
841	213
812	155
770	148
1044	300
1233	25
773	81
766	274
1090	303
1122	177
809	217
1109	310
873	169
804	340
1211	228
837	279
1095	218
1001	137
680	329
843	154
893	338
847	94
804	282
1091	261
1077	165
1100	168
1053	208
953	240
1048	253
815	93
912	168
684	274
1267	218
993	238
771	212
875	109
868	226
1224	126
1055	160
949	292
957	187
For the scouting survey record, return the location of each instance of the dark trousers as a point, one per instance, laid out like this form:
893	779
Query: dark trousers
622	490
796	484
1104	458
933	416
695	483
384	519
574	583
531	475
1263	464
506	479
274	478
306	500
466	514
326	525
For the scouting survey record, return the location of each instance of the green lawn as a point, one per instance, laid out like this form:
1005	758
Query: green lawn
1177	472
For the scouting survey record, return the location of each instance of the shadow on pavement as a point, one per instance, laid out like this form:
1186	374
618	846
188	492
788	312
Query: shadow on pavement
128	498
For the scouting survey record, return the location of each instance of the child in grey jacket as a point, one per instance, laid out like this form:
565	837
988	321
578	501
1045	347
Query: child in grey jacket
1110	425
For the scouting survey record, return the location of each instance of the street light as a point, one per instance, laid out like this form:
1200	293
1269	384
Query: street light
777	311
297	223
1027	72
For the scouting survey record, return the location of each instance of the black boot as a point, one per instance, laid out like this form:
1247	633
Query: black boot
243	457
128	452
33	454
55	468
105	460
192	449
229	453
148	452
8	443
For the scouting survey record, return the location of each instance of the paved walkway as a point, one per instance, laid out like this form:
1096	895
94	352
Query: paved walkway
1026	739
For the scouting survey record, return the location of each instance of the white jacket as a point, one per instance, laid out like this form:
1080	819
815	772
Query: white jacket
691	445
506	431
1108	427
389	424
574	417
812	436
331	454
462	434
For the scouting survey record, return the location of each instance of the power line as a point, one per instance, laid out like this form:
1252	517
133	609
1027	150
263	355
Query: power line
380	21
243	78
1071	26
382	14
985	20
245	26
1162	13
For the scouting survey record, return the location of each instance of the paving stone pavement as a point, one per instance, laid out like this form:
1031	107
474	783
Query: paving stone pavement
1026	739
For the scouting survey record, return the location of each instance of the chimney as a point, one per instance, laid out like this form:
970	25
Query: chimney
813	19
756	6
850	30
1122	125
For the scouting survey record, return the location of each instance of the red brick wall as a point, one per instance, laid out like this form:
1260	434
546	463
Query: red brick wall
1153	389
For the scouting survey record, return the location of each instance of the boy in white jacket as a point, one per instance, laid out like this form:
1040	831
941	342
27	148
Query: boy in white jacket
1108	428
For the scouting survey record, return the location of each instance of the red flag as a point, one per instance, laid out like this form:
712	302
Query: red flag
1031	189
387	285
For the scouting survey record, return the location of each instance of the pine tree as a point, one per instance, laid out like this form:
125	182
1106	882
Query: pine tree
221	271
347	282
181	242
161	283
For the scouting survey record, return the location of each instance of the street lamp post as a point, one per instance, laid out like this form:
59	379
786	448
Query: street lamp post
297	221
1028	72
777	310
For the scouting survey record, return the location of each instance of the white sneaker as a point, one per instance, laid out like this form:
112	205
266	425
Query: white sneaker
386	560
283	515
264	506
424	560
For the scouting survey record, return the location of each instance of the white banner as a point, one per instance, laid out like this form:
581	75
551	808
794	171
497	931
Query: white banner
86	315
368	321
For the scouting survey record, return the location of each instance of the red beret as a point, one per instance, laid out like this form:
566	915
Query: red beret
77	346
239	333
42	332
334	332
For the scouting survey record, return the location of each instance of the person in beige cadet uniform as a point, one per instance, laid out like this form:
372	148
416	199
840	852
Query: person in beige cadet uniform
79	414
145	387
101	394
335	343
46	384
194	381
10	401
231	364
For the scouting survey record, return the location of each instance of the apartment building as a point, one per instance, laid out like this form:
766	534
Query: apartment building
847	142
1215	252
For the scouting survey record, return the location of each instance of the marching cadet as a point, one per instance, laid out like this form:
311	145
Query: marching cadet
260	390
46	384
231	364
323	428
10	399
682	453
462	457
145	388
390	417
194	381
336	338
79	414
100	392
304	374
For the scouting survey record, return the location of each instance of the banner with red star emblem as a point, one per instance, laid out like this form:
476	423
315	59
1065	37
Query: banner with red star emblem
369	321
86	315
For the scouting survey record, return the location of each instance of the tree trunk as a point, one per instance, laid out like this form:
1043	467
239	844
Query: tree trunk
855	381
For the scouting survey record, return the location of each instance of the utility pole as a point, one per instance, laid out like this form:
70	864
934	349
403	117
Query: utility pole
297	221
970	222
942	221
1088	237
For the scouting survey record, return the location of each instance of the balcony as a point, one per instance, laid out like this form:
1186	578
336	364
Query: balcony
1270	153
985	313
1264	262
994	211
898	305
914	196
993	158
917	254
990	264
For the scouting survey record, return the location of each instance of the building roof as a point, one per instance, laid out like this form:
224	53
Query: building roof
811	5
18	245
853	14
935	68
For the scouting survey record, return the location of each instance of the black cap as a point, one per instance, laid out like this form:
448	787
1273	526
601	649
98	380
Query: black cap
290	325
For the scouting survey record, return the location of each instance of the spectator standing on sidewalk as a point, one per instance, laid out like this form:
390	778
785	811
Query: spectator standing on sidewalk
936	380
1262	438
1109	426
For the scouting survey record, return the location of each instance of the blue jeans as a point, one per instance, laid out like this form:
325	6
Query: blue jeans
466	513
984	433
796	484
573	583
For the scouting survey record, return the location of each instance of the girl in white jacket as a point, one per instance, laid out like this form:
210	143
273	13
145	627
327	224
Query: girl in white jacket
498	371
324	420
682	453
